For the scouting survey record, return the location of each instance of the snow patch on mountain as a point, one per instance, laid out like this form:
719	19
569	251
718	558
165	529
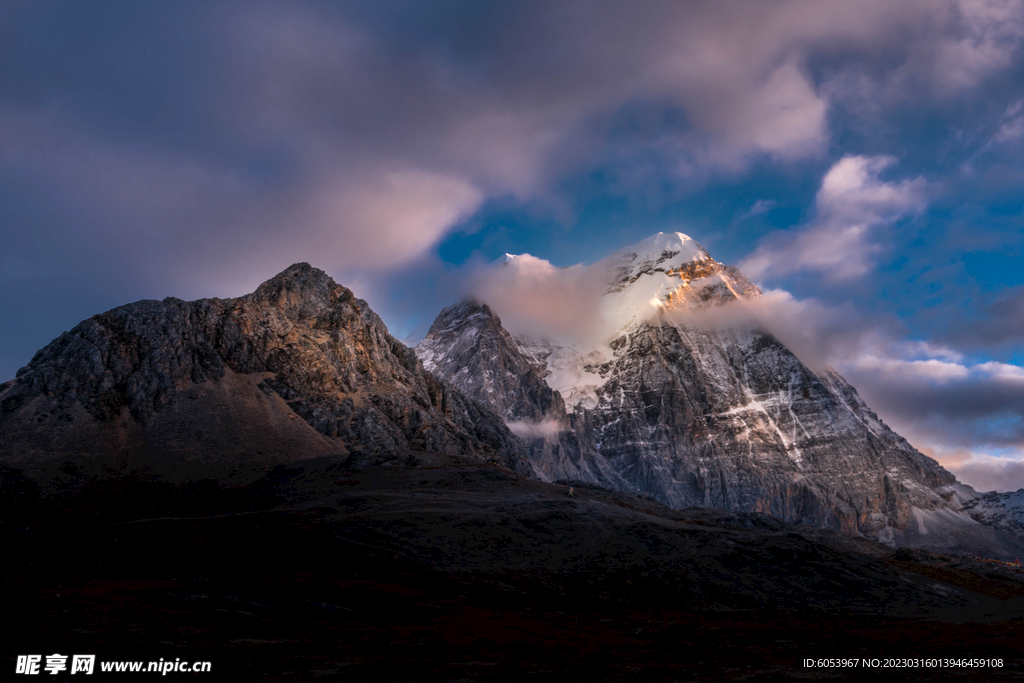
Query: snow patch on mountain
659	252
579	376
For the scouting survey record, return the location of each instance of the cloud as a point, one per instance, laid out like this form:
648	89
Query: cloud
1002	372
1011	130
390	219
898	369
544	429
154	210
982	471
533	297
987	473
266	128
927	349
955	48
997	325
195	149
990	32
851	204
851	190
788	119
759	207
1012	127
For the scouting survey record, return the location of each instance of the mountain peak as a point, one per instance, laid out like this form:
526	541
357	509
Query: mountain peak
664	252
298	274
699	410
456	314
663	246
299	290
667	270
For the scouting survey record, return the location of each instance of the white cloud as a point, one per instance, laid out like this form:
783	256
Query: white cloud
1002	371
391	219
531	106
1010	130
532	296
916	348
533	429
319	132
786	116
158	207
852	191
759	207
931	370
852	203
398	146
1013	124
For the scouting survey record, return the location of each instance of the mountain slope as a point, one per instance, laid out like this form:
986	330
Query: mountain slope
733	420
298	369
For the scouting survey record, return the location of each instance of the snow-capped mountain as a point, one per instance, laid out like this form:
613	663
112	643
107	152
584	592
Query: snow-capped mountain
715	415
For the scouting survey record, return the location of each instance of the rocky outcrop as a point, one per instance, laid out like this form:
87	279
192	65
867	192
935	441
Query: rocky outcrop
298	369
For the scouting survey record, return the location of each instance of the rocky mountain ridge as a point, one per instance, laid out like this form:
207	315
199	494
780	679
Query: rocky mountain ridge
299	368
692	416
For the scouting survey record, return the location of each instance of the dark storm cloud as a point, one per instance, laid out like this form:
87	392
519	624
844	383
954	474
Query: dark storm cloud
999	323
991	474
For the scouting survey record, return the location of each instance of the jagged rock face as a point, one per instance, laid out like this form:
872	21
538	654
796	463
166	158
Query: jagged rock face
297	369
726	418
468	345
733	420
1003	511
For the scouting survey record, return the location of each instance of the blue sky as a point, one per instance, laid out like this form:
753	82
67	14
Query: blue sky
861	161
